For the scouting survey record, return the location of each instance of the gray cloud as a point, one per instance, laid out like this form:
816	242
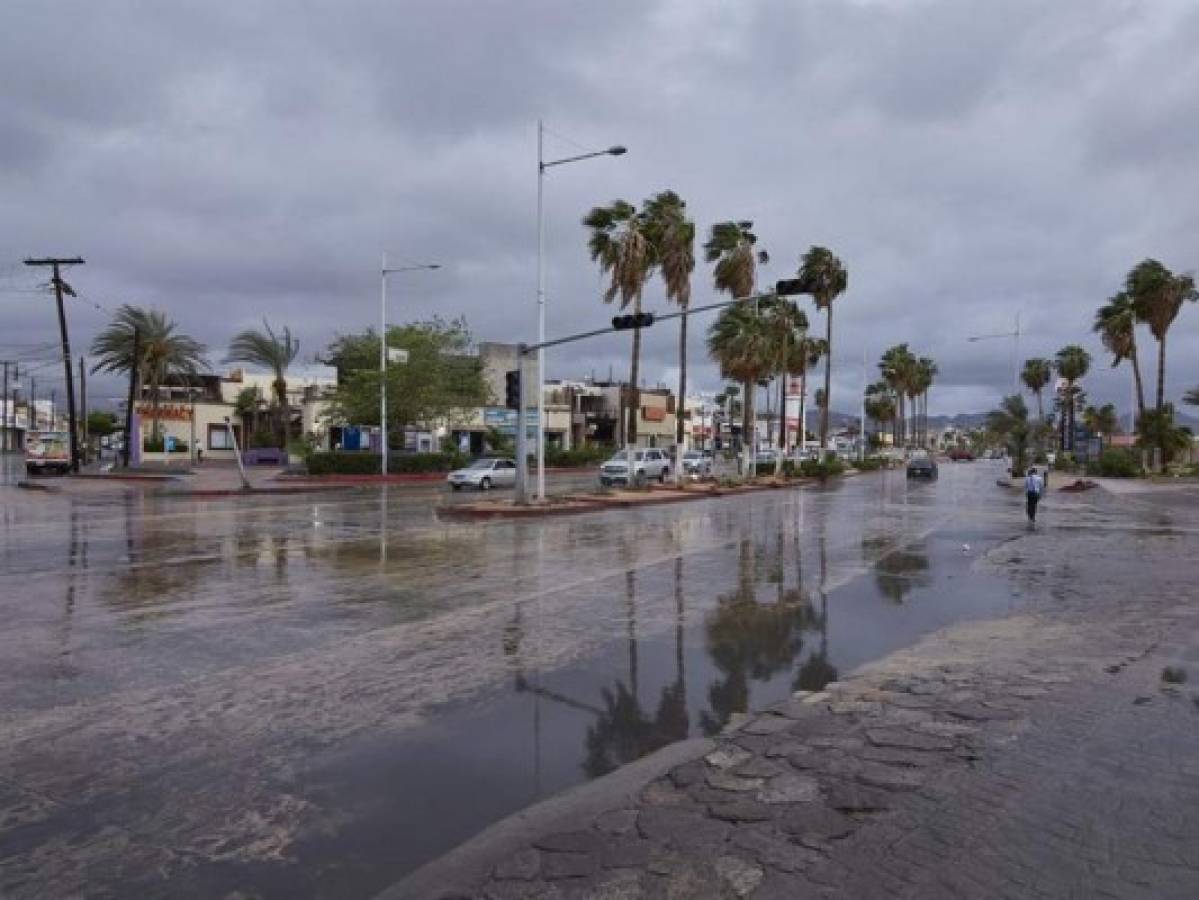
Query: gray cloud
968	161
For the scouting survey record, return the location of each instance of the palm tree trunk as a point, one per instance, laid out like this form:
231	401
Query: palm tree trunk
1040	407
1161	372
782	444
155	423
748	429
1136	375
803	403
828	377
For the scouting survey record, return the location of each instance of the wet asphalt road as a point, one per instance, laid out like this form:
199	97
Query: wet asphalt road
312	695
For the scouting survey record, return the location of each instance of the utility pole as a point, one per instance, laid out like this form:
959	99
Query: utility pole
83	409
61	287
4	400
33	404
137	349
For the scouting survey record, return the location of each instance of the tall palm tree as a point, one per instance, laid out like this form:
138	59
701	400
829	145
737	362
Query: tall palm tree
163	351
823	276
1157	297
1035	375
925	374
898	367
621	244
788	328
673	237
741	343
1191	397
1010	422
732	246
272	351
880	403
1072	363
1116	324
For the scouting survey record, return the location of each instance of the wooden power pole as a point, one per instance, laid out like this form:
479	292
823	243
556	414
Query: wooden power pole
61	287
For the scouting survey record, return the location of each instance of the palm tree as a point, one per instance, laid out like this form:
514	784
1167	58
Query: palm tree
823	276
272	351
1191	397
1101	419
898	367
673	237
163	351
1116	324
731	245
788	327
1010	422
740	342
1035	375
880	403
621	244
1072	363
1157	297
925	374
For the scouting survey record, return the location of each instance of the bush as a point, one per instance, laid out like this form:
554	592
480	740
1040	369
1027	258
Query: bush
1116	464
871	464
368	463
579	456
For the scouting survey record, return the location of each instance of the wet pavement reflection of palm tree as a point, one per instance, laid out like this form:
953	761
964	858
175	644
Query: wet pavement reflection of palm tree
897	569
816	670
748	640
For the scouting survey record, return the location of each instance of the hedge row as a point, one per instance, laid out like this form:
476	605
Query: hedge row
1116	463
397	464
579	456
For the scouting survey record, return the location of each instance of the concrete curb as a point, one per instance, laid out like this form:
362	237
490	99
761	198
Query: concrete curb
461	869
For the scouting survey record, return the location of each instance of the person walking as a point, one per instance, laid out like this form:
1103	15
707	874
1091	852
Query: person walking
1033	488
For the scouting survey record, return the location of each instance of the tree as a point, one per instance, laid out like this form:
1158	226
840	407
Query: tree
898	367
740	342
1157	297
102	423
788	326
1191	397
275	352
1101	419
924	376
1009	423
673	238
163	351
620	242
1072	363
822	275
441	379
1158	429
731	246
1116	324
880	404
1035	375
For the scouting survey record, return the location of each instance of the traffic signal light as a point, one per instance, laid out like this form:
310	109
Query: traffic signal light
789	287
512	389
637	320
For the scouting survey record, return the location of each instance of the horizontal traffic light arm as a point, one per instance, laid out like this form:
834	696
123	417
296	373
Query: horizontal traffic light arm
782	288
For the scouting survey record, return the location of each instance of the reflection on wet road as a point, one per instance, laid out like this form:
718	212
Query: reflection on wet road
313	695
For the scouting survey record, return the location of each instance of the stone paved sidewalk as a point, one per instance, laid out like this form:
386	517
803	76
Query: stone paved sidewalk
1036	756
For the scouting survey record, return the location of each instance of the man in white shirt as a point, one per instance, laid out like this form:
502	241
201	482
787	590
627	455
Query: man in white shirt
1033	488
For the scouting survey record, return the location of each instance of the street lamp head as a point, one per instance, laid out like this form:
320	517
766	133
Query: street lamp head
618	150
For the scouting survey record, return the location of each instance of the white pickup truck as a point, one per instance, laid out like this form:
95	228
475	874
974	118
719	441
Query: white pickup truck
47	451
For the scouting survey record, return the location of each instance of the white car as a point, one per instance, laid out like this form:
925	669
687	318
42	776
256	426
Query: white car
697	464
647	465
484	474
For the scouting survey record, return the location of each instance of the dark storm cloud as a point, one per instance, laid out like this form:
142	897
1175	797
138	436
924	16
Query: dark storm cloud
968	160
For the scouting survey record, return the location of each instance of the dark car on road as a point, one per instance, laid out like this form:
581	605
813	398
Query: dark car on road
961	454
922	465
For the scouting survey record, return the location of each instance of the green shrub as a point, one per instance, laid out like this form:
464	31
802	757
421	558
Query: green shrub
871	464
579	456
827	468
1116	464
368	463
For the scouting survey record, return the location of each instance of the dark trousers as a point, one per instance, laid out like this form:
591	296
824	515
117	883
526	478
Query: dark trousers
1032	506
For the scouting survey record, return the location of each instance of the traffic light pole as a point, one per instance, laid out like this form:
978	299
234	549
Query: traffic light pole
522	437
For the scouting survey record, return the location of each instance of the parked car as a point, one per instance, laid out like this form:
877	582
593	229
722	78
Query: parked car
697	464
647	464
484	474
922	465
961	454
766	456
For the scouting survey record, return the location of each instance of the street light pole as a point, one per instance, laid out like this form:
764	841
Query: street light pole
1015	336
542	165
383	273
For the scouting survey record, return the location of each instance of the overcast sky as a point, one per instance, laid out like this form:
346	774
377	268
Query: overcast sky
967	160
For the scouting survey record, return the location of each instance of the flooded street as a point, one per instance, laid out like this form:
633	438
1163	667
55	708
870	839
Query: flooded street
312	695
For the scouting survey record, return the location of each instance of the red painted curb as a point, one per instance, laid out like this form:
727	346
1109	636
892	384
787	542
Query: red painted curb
414	478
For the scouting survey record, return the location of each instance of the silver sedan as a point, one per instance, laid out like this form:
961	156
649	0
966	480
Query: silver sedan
484	474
